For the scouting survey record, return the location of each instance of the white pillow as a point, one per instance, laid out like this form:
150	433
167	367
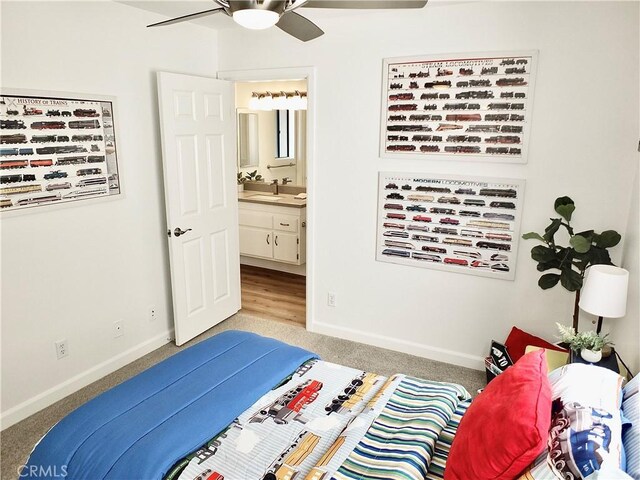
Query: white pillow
609	473
588	385
585	440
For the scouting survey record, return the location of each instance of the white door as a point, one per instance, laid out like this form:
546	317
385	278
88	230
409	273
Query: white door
197	123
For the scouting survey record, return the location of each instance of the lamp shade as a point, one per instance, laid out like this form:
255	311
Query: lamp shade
604	292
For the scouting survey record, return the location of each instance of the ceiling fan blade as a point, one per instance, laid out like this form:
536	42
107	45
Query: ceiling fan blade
186	18
299	26
361	4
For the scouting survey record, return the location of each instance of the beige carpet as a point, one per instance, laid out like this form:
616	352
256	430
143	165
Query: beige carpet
18	440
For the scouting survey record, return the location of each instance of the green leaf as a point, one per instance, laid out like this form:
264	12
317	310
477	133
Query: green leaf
608	239
565	211
544	266
532	235
548	280
580	243
570	279
543	254
564	207
565	256
583	261
599	256
551	230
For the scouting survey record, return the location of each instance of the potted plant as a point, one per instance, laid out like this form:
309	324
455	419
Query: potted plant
241	180
569	263
588	344
254	177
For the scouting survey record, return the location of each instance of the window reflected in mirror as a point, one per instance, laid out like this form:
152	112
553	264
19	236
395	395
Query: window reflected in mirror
285	133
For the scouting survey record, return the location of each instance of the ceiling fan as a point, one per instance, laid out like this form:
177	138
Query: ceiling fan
261	14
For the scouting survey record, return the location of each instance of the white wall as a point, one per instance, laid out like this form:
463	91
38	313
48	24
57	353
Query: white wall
625	332
583	144
71	272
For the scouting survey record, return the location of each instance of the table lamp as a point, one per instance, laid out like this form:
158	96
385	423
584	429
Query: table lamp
604	292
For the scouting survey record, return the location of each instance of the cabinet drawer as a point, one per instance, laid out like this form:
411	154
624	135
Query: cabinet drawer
286	223
255	219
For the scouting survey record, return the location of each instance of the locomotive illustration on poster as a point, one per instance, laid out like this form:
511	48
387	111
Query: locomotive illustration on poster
463	106
460	224
55	150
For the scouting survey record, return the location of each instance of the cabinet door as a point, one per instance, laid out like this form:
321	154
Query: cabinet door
285	247
256	242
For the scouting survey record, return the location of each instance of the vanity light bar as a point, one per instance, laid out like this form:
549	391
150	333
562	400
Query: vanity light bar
282	100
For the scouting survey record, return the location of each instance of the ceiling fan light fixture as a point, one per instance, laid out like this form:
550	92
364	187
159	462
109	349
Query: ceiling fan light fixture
256	19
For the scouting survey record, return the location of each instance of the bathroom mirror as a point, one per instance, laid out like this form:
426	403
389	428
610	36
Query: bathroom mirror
248	138
273	142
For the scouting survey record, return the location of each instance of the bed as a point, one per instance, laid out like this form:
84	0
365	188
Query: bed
239	406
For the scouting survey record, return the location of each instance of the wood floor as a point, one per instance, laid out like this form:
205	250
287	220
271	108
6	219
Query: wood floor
274	295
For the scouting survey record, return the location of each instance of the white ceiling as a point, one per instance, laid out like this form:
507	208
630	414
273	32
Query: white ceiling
174	8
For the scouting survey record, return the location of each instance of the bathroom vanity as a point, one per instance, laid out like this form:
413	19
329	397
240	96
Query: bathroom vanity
272	227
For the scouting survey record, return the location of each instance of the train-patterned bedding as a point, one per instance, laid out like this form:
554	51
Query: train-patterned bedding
249	407
333	422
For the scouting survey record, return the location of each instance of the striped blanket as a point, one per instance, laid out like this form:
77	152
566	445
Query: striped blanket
401	441
333	422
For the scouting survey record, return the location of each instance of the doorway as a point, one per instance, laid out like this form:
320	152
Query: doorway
276	253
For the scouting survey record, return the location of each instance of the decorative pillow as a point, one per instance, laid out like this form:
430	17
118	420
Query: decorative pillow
631	436
585	436
541	470
584	440
518	340
510	419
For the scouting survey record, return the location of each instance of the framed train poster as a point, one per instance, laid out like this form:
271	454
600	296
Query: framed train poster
474	106
459	224
56	149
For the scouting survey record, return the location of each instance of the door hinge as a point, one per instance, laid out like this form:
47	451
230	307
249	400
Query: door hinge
297	256
298	241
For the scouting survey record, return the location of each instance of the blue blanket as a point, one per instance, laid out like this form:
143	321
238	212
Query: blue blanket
140	428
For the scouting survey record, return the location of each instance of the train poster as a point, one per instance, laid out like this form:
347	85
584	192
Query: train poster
474	106
458	224
56	149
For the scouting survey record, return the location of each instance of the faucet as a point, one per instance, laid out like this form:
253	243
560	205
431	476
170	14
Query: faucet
286	180
275	184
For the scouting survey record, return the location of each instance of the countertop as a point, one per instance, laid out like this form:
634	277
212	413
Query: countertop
286	200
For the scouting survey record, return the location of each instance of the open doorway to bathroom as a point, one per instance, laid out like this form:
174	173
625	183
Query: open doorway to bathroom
272	197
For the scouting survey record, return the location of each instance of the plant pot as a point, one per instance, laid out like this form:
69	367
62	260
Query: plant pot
240	187
591	356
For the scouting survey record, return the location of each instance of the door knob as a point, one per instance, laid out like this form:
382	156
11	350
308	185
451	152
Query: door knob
177	232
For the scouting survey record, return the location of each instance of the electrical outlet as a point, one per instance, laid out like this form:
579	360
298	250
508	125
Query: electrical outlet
152	313
62	349
118	329
331	299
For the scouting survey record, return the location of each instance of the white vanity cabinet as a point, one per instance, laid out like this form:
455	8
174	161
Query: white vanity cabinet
270	232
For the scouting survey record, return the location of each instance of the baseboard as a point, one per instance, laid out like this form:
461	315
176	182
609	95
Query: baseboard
49	397
271	265
404	346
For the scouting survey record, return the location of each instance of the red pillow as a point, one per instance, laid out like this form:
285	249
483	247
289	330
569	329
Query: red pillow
518	340
506	426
